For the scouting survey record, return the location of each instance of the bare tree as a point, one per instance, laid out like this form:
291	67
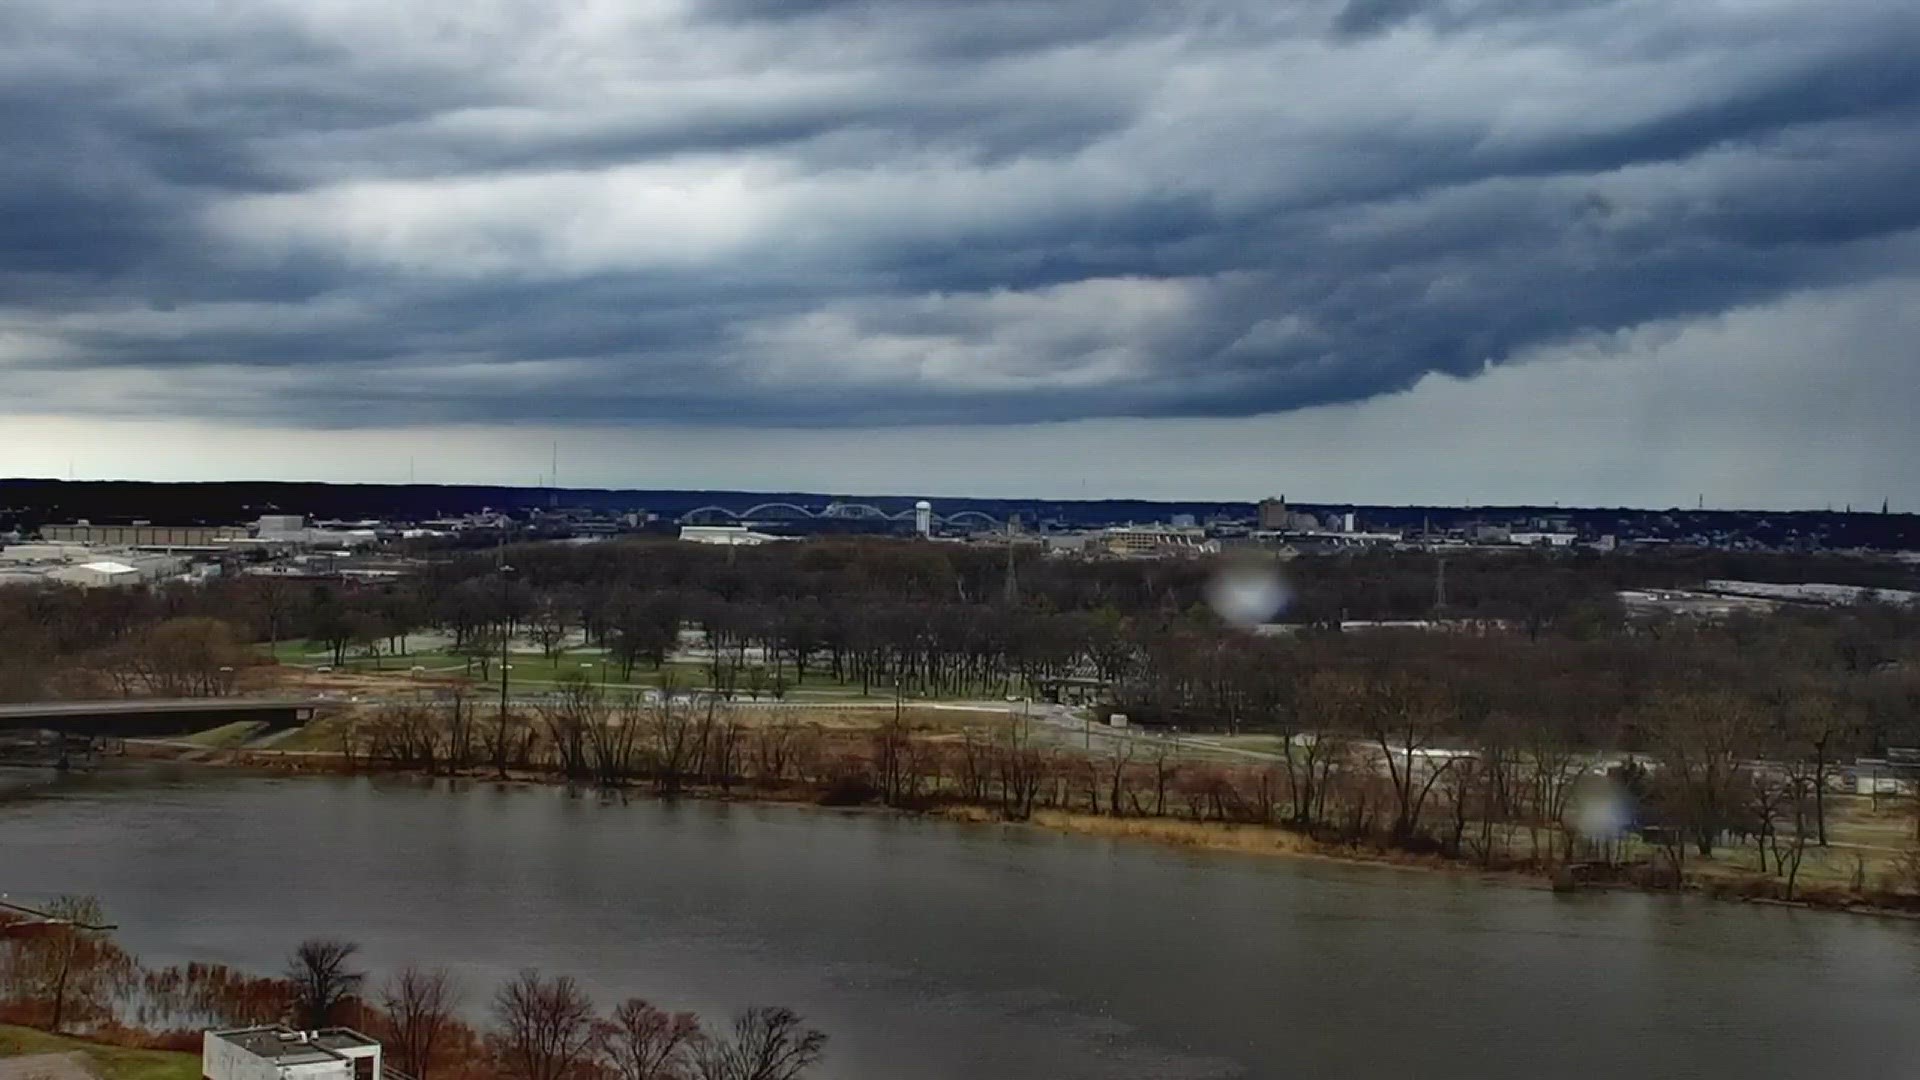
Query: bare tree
549	627
322	979
418	1008
64	961
642	1042
576	711
766	1043
545	1028
614	742
1403	717
672	724
460	727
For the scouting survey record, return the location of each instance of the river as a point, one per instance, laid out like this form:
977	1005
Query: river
942	951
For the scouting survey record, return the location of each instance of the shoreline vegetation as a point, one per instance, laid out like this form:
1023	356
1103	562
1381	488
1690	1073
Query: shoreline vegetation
67	988
914	762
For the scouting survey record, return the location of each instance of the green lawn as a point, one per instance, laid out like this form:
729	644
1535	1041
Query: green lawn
226	736
111	1062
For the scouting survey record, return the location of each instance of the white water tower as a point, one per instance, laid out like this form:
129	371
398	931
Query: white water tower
923	518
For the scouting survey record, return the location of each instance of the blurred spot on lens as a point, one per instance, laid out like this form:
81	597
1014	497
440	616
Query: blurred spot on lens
1246	594
1598	808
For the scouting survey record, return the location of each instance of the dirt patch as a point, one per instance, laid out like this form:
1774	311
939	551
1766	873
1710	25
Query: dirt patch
47	1067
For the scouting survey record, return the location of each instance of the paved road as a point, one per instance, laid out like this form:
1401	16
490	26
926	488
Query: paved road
72	1066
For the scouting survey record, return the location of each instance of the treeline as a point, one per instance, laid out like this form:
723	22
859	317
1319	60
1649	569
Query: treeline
1362	757
62	971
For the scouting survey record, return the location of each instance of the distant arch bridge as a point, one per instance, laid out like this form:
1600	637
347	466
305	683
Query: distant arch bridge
838	511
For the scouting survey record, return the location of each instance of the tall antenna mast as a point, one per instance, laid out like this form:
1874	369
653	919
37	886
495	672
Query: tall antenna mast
1012	593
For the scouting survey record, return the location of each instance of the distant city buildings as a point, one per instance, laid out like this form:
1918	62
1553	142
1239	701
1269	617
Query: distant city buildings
127	550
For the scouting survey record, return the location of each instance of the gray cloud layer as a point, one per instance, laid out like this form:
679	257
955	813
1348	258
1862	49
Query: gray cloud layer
848	212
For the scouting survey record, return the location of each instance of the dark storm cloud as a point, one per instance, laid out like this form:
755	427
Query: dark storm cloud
848	212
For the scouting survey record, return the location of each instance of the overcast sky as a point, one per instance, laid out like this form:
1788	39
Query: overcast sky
1592	251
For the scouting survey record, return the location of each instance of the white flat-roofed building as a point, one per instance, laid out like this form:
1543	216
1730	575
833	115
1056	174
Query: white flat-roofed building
725	535
279	1053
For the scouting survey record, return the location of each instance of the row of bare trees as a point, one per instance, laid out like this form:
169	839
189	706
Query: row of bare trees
584	734
61	969
546	1028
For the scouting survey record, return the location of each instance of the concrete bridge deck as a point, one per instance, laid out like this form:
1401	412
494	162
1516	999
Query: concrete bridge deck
133	718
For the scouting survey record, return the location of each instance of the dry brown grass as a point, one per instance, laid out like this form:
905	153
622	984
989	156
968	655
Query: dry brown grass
1210	835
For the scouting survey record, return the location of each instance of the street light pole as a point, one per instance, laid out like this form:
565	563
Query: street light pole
506	639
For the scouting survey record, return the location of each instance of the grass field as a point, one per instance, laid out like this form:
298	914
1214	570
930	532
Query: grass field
533	668
226	736
110	1062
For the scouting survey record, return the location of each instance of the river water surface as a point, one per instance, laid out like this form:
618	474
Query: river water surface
943	951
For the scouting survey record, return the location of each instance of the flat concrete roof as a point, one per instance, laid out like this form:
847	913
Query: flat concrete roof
284	1046
278	1045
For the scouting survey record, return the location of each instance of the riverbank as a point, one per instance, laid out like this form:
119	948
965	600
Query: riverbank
1717	879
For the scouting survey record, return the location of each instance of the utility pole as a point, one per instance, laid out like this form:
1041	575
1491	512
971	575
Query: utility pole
1440	587
506	639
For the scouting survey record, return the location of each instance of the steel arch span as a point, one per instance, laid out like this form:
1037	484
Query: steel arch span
707	513
857	512
796	511
973	515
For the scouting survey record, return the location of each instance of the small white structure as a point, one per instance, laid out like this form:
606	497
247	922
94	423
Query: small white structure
1543	539
725	535
279	1053
923	518
103	573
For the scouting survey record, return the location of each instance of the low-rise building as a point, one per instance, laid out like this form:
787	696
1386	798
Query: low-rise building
726	535
281	1053
88	567
1542	539
141	534
1156	540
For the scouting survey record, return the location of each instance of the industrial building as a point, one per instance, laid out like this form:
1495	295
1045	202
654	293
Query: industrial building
85	566
286	530
1156	540
142	534
1273	513
279	1053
